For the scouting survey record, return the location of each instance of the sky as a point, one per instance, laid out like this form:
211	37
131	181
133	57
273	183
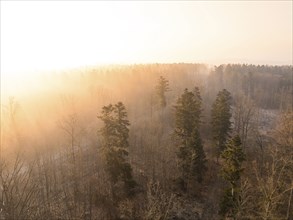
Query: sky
50	35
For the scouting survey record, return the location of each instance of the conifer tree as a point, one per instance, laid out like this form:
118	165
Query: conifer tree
161	89
198	158
190	154
198	108
221	116
115	141
231	172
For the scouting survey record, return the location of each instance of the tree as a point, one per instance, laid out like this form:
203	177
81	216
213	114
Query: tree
283	133
187	119
221	115
198	158
273	186
231	172
19	191
115	134
198	104
244	112
161	89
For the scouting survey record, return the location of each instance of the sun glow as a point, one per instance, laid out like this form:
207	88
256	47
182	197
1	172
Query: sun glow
50	35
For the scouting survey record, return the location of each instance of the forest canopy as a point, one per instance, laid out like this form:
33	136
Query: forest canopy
150	141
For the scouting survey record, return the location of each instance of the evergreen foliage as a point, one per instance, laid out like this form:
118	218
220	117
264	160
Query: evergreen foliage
228	204
115	134
198	158
161	89
233	157
231	171
187	118
221	115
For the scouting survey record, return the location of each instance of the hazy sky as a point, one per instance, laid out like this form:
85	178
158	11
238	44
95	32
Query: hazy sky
43	35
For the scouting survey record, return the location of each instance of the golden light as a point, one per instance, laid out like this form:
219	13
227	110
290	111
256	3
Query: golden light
50	35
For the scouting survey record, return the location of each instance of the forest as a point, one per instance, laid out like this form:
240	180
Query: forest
179	141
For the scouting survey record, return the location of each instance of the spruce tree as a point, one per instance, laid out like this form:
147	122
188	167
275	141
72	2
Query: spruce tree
197	107
231	172
221	116
115	142
161	89
198	158
187	119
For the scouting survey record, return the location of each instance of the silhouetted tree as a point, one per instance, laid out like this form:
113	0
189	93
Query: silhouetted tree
221	115
115	134
231	171
161	89
198	157
187	118
244	112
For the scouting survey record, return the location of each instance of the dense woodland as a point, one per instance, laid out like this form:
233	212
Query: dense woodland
157	141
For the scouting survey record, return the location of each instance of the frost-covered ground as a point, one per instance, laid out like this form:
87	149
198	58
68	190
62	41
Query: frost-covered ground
267	120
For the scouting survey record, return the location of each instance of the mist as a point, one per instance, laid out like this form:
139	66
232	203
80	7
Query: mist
146	110
58	120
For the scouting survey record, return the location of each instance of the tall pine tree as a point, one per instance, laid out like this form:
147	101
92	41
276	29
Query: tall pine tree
115	142
187	119
221	116
161	89
231	172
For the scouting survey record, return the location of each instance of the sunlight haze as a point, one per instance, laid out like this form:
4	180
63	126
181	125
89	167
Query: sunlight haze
50	35
146	110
